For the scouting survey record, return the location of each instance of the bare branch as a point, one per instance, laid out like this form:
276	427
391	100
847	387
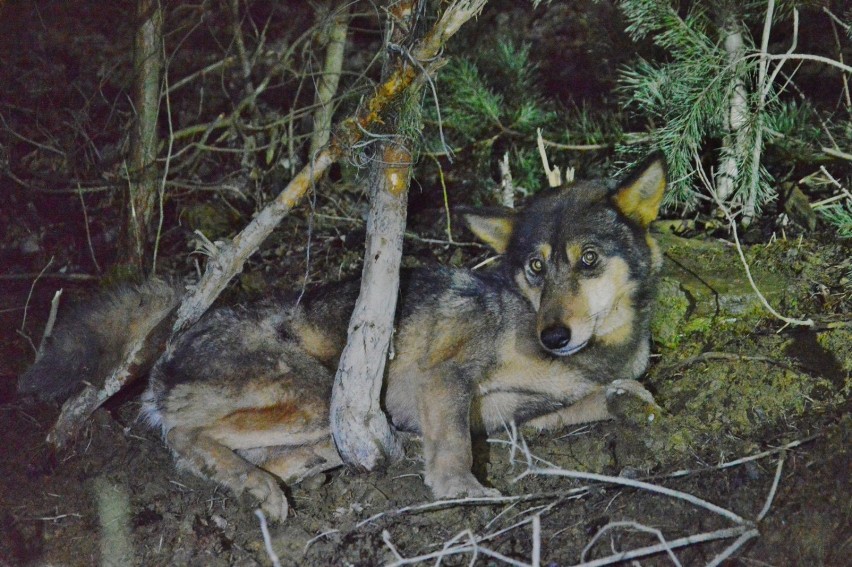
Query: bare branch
733	224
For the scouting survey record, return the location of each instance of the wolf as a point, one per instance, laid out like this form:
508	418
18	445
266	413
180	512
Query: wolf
556	334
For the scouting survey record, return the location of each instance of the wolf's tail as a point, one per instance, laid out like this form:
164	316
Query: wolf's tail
97	336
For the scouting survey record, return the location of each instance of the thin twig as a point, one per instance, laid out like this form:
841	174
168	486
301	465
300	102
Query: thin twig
409	235
771	496
836	153
554	176
728	551
446	198
267	540
636	526
809	57
506	194
834	181
55	276
674	544
763	89
484	501
577	147
536	540
88	232
316	538
733	224
51	321
22	331
58	517
471	547
839	48
742	460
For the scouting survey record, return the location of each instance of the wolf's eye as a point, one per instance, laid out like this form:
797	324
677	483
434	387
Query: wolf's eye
536	266
589	258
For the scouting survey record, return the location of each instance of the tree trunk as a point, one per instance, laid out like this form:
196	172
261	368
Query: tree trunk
143	174
735	143
328	81
361	431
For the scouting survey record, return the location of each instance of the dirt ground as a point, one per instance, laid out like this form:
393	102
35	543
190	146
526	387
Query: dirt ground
116	498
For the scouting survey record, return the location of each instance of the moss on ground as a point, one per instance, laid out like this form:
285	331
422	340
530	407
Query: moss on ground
729	374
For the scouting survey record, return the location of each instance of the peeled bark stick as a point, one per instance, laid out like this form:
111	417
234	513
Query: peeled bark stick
228	259
361	431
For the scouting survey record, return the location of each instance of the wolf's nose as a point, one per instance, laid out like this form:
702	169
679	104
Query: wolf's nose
555	338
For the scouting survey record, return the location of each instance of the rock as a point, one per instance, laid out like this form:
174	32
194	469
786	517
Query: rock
704	283
798	207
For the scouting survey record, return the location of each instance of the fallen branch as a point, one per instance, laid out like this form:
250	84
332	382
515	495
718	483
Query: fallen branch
471	544
51	321
436	505
629	482
744	532
742	460
836	153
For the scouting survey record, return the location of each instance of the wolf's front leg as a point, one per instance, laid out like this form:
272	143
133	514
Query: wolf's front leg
624	400
629	402
209	458
444	411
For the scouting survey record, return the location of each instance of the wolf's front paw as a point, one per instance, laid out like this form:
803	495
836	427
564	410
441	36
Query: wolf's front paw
459	486
630	402
264	488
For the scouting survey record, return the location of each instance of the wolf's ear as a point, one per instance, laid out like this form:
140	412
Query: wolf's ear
640	195
494	228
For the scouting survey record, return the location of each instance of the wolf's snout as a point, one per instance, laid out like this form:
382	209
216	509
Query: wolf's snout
556	337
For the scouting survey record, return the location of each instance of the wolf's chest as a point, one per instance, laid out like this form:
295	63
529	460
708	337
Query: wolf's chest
525	386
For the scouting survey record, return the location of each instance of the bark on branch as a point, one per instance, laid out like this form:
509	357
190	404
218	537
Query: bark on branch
143	177
227	259
327	82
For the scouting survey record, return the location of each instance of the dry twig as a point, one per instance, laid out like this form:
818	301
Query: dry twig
733	224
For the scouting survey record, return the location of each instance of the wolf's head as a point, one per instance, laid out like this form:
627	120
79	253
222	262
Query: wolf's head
583	257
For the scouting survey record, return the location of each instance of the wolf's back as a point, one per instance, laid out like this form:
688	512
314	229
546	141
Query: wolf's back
95	337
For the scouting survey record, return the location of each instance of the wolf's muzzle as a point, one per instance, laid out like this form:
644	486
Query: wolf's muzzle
555	338
557	341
